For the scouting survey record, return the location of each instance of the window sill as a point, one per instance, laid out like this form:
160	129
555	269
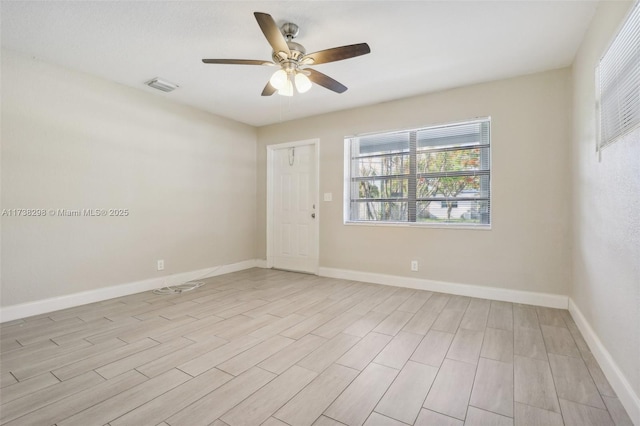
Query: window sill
420	225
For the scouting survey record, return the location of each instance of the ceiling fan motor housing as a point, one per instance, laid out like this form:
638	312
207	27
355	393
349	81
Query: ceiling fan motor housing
290	31
297	52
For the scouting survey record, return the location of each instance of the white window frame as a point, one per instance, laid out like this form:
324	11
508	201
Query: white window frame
619	84
347	199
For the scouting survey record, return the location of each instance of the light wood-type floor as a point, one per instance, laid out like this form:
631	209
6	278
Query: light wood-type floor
280	348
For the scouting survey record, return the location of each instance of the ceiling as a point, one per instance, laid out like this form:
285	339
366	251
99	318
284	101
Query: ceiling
416	46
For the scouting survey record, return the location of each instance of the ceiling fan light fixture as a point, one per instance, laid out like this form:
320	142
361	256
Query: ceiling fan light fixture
287	89
303	84
279	79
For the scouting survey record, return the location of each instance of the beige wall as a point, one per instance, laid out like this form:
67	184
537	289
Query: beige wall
72	141
528	245
606	213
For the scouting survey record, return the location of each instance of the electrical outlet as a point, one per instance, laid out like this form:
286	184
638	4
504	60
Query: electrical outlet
414	265
160	265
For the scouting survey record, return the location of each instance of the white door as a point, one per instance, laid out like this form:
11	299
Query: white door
294	214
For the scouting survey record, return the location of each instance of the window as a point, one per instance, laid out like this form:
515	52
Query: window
618	81
434	175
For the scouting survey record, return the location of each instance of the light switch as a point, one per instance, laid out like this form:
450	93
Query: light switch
328	196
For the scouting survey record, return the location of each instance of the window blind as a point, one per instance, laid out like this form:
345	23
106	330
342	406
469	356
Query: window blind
619	82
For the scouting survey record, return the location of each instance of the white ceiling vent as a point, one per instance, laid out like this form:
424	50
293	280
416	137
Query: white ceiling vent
164	85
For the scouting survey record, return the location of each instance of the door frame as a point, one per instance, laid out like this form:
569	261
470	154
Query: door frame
315	143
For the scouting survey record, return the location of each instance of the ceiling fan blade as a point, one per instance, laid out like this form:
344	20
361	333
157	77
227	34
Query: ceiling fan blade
268	90
325	81
237	61
336	54
272	33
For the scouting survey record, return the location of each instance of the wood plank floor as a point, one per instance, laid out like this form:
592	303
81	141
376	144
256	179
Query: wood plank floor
279	348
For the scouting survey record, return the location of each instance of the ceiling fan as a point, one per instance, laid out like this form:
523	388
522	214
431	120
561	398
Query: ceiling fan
293	59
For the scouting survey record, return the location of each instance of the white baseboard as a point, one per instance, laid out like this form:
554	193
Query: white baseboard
629	399
23	310
261	263
494	293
